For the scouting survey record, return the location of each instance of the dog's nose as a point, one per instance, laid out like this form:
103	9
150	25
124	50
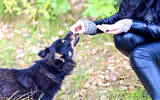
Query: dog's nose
70	33
68	36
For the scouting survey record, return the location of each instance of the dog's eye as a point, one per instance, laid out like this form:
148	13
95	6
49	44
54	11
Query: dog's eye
62	41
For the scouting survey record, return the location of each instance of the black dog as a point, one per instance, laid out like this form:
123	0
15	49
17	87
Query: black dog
42	80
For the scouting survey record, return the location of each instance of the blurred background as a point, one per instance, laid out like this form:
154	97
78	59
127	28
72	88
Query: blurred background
102	72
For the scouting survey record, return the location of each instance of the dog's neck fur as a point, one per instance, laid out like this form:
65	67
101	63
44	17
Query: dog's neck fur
61	70
56	65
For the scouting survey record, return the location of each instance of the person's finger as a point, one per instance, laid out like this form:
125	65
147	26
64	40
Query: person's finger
82	28
76	27
102	28
109	28
72	29
82	31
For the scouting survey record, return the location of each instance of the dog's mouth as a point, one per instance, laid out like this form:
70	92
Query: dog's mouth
72	38
76	40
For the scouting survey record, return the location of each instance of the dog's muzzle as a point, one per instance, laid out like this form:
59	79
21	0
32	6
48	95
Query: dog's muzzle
73	38
76	40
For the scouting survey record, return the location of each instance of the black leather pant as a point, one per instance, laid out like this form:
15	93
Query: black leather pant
144	55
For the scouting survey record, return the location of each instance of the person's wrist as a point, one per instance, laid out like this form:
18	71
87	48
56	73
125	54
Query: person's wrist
125	24
90	27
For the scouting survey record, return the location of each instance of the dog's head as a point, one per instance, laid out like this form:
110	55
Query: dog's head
61	48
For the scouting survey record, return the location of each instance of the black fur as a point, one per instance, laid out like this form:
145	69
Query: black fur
43	79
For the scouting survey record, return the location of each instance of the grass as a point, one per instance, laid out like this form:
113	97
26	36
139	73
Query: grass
102	72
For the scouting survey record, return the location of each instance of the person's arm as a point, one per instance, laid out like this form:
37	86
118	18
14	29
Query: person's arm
146	28
150	29
110	20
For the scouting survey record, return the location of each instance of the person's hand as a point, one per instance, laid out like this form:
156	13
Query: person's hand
78	28
119	27
84	27
110	29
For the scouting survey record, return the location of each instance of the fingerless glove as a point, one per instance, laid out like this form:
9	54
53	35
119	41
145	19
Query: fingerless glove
90	27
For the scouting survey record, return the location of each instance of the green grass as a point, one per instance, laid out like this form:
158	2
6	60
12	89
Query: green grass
92	56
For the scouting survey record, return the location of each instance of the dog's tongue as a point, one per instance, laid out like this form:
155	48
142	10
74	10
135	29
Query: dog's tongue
76	40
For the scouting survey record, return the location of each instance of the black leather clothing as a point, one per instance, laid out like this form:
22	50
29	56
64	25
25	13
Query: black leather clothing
142	45
114	18
109	20
146	29
144	55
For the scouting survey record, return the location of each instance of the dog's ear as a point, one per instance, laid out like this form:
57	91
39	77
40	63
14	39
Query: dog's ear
44	52
25	80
